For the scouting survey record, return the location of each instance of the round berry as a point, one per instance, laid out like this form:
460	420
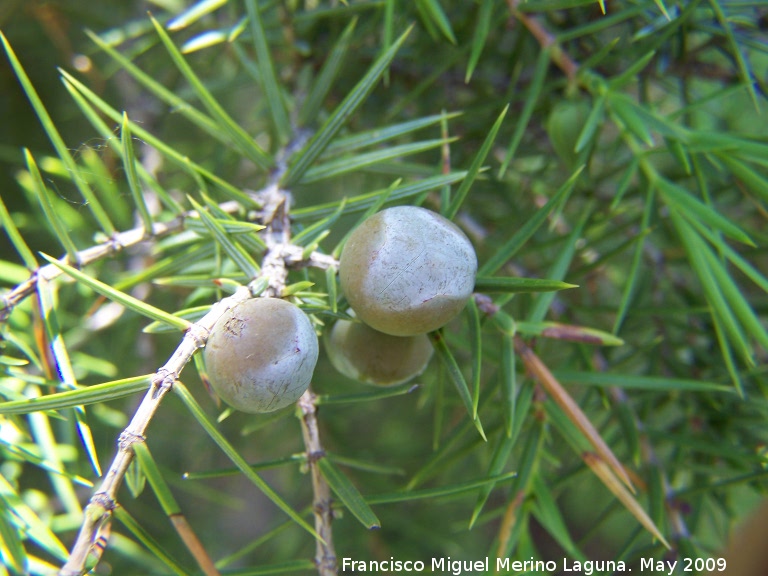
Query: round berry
407	270
564	127
372	357
261	355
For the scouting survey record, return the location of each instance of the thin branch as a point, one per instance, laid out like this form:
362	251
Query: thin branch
99	509
112	246
103	502
543	376
561	58
281	256
325	557
291	255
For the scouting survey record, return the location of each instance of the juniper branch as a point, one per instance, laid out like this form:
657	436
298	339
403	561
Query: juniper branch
291	255
104	500
115	244
281	255
545	39
325	558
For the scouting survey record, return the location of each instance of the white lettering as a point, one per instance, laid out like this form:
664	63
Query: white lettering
458	567
589	567
390	565
507	565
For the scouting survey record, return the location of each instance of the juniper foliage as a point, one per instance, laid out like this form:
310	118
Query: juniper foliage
602	395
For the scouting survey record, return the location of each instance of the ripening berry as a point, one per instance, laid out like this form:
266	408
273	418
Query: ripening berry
564	127
372	357
261	355
407	270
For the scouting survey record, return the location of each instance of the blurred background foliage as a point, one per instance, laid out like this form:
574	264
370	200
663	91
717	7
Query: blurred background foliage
661	106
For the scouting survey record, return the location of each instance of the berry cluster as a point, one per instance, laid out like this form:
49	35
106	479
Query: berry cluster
405	271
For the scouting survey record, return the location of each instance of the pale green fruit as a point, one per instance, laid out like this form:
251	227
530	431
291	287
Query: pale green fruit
367	355
564	126
407	271
261	355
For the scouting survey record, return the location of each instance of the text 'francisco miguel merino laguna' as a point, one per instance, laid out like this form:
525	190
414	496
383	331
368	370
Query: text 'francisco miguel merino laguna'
457	567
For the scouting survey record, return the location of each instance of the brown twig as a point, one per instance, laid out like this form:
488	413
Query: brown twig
325	556
561	58
602	462
112	246
279	258
280	254
104	500
543	376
